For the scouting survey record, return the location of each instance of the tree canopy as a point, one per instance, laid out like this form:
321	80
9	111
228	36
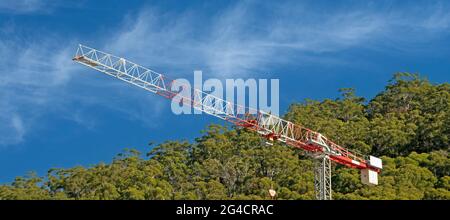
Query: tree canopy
407	124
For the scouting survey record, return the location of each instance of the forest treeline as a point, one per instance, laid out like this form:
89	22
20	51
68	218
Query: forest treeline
407	124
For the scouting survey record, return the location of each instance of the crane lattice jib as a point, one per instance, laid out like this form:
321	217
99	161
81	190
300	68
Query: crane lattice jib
270	126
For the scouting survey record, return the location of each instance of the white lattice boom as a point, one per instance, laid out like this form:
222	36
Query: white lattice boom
269	126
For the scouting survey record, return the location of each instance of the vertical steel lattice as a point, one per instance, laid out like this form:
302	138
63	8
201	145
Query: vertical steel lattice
322	178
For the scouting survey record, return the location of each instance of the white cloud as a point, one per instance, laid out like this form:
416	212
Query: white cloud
38	77
29	83
12	129
438	19
241	40
35	6
23	6
155	39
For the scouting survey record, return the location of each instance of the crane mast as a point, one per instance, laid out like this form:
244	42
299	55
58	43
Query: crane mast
265	124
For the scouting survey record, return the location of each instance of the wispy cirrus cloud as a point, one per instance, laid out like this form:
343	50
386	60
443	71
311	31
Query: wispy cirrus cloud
251	37
35	6
21	6
29	82
244	38
39	79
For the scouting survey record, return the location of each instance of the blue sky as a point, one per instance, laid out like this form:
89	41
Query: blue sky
56	113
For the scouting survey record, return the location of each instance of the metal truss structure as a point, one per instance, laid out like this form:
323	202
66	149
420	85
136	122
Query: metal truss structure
322	177
267	125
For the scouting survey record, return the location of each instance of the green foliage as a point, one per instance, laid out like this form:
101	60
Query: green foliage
420	110
408	124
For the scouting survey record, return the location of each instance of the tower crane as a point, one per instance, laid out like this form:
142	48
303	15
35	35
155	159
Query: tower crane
269	126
